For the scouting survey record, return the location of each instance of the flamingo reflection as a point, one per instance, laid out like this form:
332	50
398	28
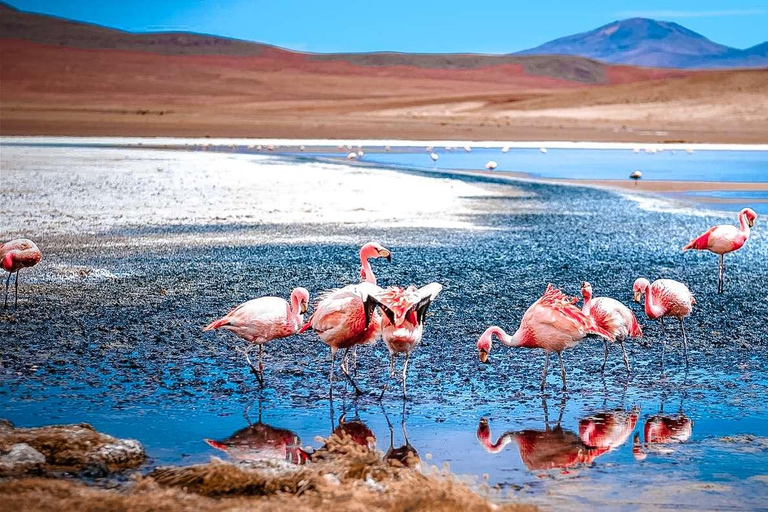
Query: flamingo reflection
555	447
660	431
405	455
354	429
259	441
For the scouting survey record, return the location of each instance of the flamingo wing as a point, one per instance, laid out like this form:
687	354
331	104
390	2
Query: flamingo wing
701	242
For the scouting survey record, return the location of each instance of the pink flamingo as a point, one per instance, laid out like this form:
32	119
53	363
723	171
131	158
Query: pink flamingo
346	317
609	429
264	319
613	316
368	251
402	326
724	239
665	297
552	323
14	256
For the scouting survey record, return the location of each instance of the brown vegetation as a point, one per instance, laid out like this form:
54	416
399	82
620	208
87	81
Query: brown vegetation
342	476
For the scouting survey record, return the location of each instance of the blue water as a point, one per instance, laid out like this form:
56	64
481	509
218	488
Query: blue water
740	166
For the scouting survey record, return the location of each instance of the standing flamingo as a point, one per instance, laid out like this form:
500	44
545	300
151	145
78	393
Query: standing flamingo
724	239
665	297
346	317
14	256
613	316
368	251
552	323
403	324
264	319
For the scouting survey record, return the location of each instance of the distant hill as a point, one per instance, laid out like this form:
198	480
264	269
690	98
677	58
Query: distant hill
651	43
49	30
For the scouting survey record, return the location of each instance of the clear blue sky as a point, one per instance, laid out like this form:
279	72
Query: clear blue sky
497	26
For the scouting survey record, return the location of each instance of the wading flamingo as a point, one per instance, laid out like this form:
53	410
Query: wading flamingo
402	326
367	252
724	239
665	297
613	316
264	319
347	317
552	323
14	256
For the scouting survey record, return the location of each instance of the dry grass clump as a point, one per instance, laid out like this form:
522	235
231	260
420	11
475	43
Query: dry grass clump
342	476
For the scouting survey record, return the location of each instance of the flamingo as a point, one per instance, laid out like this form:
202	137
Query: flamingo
14	256
724	239
552	323
665	297
613	316
402	326
264	319
636	175
491	165
346	317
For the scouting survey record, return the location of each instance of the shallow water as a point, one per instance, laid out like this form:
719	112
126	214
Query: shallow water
125	352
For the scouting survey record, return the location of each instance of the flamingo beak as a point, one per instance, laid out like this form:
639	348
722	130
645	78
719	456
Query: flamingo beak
637	296
750	222
483	355
303	307
384	253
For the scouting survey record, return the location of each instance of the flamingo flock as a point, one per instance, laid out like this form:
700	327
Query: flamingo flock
361	313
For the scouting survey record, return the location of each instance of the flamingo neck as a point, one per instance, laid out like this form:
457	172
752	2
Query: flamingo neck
587	296
366	272
744	225
652	309
295	308
510	341
498	446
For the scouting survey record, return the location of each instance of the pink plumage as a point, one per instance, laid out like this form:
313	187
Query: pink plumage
264	319
611	316
665	298
723	239
552	323
14	256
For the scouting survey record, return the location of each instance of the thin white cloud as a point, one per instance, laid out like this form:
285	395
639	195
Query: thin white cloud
662	14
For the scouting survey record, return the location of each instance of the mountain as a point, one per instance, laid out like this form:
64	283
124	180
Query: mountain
646	42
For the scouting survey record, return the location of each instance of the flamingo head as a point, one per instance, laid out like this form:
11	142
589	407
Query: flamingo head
484	344
750	216
301	297
586	290
375	250
640	287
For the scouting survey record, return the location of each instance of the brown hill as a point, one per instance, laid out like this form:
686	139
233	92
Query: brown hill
62	77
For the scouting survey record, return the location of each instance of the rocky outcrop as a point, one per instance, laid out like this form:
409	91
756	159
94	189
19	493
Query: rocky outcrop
64	449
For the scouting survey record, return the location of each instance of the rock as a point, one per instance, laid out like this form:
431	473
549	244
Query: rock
65	449
21	455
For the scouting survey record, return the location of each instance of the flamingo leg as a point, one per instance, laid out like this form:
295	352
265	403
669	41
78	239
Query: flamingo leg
254	370
605	356
721	275
348	376
7	284
391	374
544	372
685	341
663	331
562	369
330	379
624	353
261	365
16	298
354	360
405	370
